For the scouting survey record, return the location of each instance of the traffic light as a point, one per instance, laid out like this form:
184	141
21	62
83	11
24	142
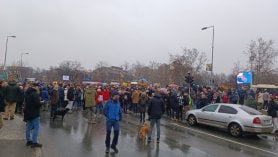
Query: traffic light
189	79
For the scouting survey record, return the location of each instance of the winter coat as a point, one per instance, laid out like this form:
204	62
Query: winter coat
45	95
156	107
11	92
2	103
272	109
61	93
54	97
143	103
98	97
174	101
112	111
106	95
70	94
33	104
135	96
89	97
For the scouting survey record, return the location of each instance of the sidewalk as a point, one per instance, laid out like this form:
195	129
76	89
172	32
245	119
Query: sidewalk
12	140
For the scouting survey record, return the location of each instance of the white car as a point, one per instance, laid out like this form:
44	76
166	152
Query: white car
237	119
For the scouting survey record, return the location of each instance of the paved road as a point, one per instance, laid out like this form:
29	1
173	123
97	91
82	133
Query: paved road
74	137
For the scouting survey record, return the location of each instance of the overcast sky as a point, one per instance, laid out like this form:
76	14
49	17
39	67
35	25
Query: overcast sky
115	31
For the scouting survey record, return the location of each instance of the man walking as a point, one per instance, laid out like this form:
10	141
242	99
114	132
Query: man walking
32	115
11	95
155	112
112	111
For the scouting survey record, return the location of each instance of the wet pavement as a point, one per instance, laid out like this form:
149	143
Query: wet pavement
12	140
75	137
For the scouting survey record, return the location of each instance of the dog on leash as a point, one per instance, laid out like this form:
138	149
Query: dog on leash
143	132
60	112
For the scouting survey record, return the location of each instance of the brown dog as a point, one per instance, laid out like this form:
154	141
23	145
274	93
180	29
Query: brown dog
143	131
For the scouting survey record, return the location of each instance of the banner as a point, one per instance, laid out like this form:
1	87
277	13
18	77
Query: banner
66	78
244	78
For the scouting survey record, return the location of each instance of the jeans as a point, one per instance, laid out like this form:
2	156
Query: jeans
116	127
77	103
99	109
34	125
157	122
53	109
135	108
142	117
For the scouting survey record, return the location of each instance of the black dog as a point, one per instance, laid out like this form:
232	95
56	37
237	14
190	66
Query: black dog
60	112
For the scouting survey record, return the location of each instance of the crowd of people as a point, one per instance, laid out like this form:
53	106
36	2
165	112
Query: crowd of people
112	101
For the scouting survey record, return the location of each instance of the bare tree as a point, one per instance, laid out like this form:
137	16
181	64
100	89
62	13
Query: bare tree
70	68
261	56
190	61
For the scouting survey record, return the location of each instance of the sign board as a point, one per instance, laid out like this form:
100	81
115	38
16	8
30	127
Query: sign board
244	78
66	78
208	67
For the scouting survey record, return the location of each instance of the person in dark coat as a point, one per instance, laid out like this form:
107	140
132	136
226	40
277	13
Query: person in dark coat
272	111
155	111
32	115
11	94
70	97
143	106
2	103
20	100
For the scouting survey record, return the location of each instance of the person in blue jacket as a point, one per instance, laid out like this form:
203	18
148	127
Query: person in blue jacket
113	113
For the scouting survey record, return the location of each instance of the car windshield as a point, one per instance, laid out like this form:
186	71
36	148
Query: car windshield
250	110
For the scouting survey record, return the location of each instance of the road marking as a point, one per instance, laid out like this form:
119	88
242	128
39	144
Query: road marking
228	140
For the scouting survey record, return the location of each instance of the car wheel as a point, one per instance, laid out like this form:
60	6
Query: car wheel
235	130
192	120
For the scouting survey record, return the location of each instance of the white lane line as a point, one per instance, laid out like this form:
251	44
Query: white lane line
228	140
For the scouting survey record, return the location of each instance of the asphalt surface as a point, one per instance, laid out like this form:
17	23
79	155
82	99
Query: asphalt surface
75	137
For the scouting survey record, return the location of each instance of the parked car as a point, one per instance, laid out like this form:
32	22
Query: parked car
237	119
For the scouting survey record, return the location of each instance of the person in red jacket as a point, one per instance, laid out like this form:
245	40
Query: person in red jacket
99	102
106	95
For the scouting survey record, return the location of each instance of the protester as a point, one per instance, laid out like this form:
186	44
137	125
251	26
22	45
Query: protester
20	100
143	106
54	100
70	97
45	98
11	95
155	111
90	103
32	115
112	111
61	92
135	96
272	111
2	104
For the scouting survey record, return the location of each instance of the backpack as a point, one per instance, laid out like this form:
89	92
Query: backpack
143	101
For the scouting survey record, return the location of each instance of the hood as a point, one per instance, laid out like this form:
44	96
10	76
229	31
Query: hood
89	91
30	90
157	96
12	83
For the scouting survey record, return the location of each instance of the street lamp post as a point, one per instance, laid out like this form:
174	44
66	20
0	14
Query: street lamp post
21	58
6	49
21	66
212	47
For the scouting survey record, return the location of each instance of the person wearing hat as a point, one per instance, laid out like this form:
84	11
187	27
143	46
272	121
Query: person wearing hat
113	113
272	111
32	115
